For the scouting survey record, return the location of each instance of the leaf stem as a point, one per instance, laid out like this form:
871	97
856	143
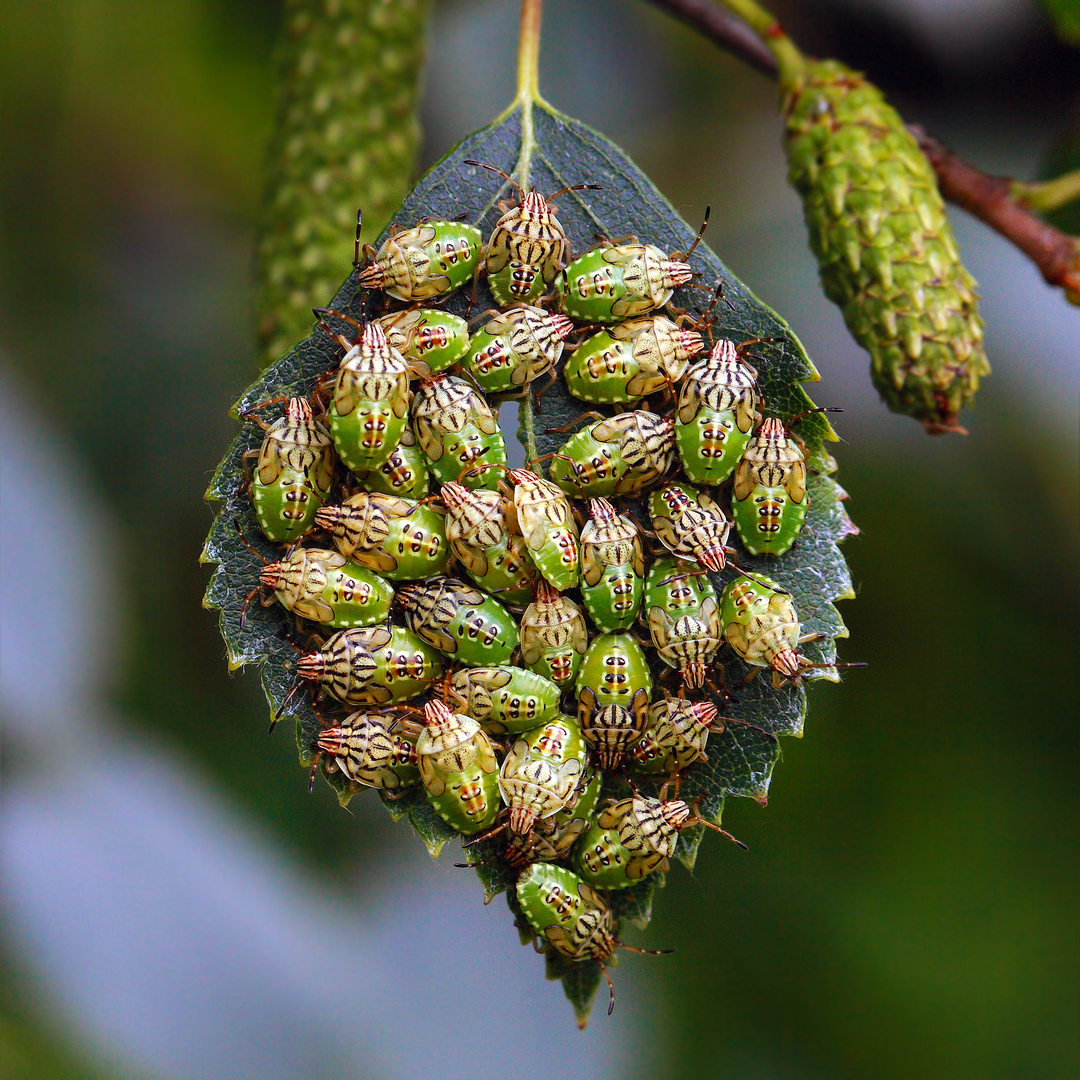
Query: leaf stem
1044	195
788	58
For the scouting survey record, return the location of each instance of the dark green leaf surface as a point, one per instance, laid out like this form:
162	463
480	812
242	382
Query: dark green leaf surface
741	759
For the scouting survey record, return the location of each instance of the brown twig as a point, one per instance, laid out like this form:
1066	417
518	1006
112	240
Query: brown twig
990	198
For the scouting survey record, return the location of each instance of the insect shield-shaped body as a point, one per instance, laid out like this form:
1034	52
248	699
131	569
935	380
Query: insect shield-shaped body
612	568
761	625
613	282
373	751
458	768
690	525
371	401
456	429
526	251
546	521
294	473
429	260
515	347
631	360
552	838
506	698
404	473
613	690
684	620
541	773
429	339
373	665
566	912
630	840
553	635
482	529
676	736
325	587
621	455
718	405
460	621
769	499
397	538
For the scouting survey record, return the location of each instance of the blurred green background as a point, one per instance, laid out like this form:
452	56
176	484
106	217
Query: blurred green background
908	907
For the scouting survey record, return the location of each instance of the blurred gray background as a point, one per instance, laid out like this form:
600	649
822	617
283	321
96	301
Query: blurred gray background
173	904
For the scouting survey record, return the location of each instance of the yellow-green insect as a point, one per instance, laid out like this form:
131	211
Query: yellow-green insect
612	568
690	524
613	689
719	404
458	768
428	260
429	338
516	346
676	737
325	587
481	527
404	473
617	455
631	360
634	838
546	520
540	774
460	621
373	751
769	498
456	429
552	838
684	619
505	698
293	476
374	665
553	635
397	538
370	407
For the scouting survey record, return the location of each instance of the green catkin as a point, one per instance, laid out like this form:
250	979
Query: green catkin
345	137
884	245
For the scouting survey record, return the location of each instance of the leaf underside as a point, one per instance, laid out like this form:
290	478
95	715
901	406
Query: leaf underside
741	759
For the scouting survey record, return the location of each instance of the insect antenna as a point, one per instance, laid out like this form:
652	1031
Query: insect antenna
700	234
611	993
356	245
498	172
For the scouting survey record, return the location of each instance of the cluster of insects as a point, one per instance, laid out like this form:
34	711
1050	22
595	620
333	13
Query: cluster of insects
538	654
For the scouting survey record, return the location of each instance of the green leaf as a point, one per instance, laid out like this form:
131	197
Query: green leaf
1065	15
741	759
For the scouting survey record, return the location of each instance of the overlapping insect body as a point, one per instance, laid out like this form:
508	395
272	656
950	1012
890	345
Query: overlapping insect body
676	737
683	616
458	768
541	773
461	622
690	524
325	587
620	455
553	635
294	472
456	428
612	568
482	529
398	538
373	751
404	473
552	838
369	410
433	258
546	520
506	699
631	360
769	498
613	690
761	625
430	339
567	913
516	346
718	406
613	282
525	252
